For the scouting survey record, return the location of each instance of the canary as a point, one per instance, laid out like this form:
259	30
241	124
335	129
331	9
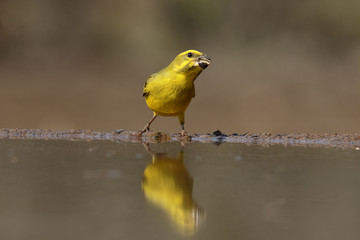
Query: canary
169	91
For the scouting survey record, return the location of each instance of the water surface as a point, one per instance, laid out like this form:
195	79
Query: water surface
111	190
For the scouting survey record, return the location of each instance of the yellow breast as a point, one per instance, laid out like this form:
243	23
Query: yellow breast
170	96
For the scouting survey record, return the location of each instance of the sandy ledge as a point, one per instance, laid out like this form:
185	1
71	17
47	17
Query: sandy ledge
327	140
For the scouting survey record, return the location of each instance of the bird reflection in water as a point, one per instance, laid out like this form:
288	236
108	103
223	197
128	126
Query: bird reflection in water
168	185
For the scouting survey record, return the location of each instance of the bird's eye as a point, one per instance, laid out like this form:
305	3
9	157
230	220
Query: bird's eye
190	55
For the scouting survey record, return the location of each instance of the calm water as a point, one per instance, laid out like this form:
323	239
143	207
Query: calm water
109	190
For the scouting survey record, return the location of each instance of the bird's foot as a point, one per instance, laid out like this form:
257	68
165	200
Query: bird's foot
146	128
184	134
185	138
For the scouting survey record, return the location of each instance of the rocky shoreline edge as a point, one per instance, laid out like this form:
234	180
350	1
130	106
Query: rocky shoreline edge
217	137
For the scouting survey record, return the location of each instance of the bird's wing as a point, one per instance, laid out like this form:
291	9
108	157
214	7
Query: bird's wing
145	90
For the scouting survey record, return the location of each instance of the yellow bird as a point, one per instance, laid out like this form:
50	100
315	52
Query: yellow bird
169	91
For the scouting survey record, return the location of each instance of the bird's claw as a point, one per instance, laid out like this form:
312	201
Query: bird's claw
146	129
184	134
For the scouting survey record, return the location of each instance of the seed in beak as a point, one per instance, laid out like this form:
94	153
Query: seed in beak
203	65
203	61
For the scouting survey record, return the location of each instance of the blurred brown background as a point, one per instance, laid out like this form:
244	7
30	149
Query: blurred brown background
278	65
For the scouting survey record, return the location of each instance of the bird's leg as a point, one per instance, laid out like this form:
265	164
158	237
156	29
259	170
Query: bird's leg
182	123
147	126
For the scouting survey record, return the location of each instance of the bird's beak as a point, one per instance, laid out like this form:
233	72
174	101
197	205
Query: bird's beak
203	61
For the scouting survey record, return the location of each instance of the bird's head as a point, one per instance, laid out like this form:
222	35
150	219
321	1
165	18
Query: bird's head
190	60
